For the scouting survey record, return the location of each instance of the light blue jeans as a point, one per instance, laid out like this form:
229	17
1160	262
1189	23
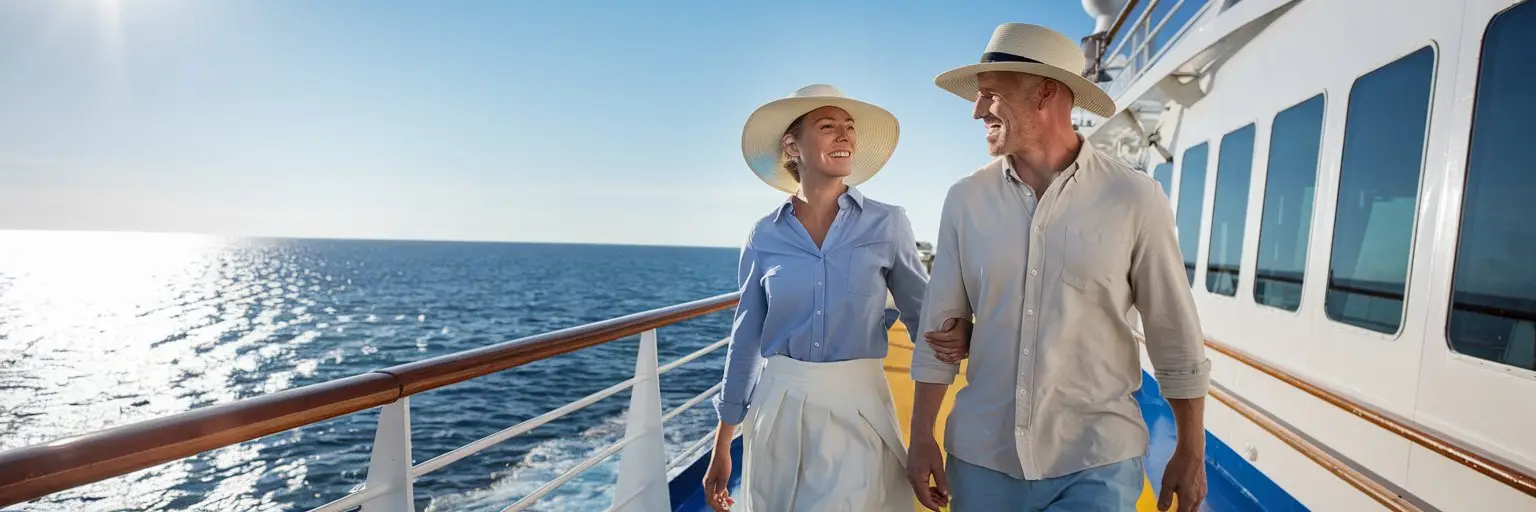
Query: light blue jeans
1113	487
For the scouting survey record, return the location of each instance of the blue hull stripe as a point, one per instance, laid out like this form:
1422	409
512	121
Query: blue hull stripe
1232	483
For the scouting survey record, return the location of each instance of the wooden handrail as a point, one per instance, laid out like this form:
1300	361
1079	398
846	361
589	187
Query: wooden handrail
35	471
1386	497
39	470
461	366
1519	480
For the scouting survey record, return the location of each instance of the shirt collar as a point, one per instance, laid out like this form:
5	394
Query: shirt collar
1009	173
851	198
1083	154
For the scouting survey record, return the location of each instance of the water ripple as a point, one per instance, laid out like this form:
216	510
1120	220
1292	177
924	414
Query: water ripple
99	330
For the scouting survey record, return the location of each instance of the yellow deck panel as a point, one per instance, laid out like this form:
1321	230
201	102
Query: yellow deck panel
897	365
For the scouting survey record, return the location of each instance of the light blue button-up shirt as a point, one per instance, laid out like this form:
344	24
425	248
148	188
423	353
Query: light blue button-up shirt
820	304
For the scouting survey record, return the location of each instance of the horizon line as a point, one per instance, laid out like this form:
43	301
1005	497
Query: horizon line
4	230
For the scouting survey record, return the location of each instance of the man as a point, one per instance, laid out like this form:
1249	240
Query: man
1049	247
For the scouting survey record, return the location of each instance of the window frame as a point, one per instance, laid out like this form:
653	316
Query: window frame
1210	220
1152	172
1458	226
1312	217
1418	220
1178	207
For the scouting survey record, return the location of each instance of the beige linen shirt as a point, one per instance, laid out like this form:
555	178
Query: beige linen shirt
1054	359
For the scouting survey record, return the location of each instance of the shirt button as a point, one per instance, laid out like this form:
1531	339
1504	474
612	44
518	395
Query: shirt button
818	312
1026	351
1037	229
816	344
1030	312
1034	272
818	283
1019	431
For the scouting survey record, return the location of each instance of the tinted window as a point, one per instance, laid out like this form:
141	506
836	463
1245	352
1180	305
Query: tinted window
1163	173
1378	188
1191	201
1290	180
1493	314
1229	211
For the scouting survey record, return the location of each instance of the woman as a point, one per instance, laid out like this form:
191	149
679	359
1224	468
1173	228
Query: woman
819	425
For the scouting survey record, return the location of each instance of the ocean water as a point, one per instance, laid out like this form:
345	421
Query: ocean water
103	329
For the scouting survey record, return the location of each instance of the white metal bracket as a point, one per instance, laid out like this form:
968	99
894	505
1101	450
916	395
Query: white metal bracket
389	467
643	463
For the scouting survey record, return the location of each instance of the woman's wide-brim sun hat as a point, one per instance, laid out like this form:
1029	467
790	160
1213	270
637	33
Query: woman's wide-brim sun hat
762	136
1034	50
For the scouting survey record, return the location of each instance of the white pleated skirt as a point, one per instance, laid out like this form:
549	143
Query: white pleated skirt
823	437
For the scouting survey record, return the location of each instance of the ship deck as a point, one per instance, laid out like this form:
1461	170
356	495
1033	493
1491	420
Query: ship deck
1225	490
897	363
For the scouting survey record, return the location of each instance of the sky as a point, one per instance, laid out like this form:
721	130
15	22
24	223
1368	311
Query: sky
570	121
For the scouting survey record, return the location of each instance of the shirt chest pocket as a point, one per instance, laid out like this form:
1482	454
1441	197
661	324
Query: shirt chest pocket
786	277
1095	262
867	265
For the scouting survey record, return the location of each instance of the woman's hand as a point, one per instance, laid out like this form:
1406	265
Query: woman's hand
953	343
717	480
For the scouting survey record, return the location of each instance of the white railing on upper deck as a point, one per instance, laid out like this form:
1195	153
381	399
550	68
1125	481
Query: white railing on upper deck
1143	42
643	468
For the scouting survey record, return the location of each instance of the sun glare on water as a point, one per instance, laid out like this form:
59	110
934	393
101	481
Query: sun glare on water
116	328
79	306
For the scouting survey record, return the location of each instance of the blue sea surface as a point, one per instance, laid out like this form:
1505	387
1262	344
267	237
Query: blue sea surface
104	329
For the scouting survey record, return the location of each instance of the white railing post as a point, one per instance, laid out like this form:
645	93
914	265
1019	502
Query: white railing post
389	467
643	463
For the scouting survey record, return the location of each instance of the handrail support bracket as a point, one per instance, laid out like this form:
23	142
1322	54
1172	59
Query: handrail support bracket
389	465
643	463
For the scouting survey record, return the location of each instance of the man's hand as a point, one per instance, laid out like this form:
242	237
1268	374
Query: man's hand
1184	477
1185	474
953	343
923	460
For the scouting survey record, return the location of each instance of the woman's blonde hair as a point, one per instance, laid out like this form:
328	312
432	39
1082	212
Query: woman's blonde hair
790	165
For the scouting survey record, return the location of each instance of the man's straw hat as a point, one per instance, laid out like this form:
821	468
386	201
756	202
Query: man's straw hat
1035	50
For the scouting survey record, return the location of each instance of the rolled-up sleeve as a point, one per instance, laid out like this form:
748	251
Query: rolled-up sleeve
908	280
946	297
1175	342
743	358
